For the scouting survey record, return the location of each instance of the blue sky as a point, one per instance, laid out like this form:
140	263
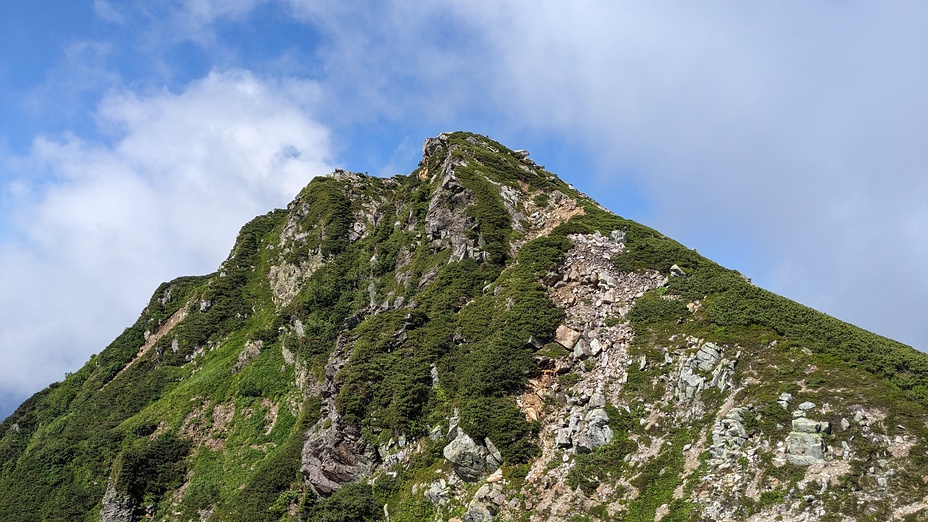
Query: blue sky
788	140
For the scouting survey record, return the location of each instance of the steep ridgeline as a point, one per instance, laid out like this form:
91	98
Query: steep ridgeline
475	341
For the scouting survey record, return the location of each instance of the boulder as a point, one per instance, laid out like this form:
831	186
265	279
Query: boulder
438	492
470	460
708	356
804	449
582	349
478	512
567	337
595	433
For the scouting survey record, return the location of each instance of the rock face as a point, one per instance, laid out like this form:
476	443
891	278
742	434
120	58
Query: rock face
334	453
116	507
470	460
728	436
334	456
804	445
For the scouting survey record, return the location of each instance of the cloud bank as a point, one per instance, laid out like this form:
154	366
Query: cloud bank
100	223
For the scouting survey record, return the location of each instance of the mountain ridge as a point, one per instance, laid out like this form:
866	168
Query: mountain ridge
475	340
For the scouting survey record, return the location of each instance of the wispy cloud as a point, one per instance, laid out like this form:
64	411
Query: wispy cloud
109	221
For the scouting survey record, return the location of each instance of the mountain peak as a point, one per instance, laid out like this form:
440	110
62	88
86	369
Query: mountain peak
476	339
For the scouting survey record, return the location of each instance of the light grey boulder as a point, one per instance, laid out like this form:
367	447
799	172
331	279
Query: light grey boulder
470	460
582	349
594	432
562	438
438	492
708	356
804	449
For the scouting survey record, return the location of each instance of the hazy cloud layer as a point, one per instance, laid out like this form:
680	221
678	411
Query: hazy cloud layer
109	221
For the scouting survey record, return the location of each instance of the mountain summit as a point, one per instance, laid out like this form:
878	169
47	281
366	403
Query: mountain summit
474	341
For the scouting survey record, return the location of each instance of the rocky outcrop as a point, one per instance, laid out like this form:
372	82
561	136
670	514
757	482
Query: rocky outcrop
471	461
447	225
705	368
117	507
728	436
335	453
251	350
804	444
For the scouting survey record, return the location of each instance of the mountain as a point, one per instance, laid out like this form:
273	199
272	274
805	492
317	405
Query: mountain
474	341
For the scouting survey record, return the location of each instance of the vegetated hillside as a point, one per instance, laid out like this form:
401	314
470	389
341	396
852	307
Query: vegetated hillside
474	341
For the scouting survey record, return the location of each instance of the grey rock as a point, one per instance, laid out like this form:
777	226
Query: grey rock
469	460
432	145
806	425
845	424
806	406
595	431
562	438
804	449
494	457
251	350
453	424
676	271
438	492
335	455
117	507
708	356
582	349
609	296
478	512
618	236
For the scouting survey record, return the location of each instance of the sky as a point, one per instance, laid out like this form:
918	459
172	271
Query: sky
787	140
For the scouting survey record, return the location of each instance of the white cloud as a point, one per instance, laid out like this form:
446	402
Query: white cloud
99	225
106	11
